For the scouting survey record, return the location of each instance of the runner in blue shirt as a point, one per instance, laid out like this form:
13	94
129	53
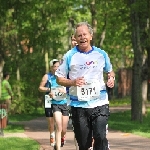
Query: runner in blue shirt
85	65
74	43
55	105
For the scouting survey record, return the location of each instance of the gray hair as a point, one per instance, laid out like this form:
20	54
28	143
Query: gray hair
84	24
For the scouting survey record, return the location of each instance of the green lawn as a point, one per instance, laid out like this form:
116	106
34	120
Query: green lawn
18	144
15	143
120	102
14	128
117	121
26	117
21	117
122	121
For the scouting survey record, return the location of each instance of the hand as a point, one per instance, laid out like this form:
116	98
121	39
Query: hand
62	90
51	95
110	83
79	81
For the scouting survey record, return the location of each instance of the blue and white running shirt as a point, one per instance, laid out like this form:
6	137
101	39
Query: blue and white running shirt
89	65
52	81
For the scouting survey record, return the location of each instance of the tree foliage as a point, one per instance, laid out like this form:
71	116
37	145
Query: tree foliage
31	29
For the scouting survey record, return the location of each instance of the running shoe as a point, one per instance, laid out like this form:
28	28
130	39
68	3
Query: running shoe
52	141
55	147
108	146
63	141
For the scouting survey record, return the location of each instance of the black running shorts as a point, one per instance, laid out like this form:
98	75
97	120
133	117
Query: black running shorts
48	112
63	108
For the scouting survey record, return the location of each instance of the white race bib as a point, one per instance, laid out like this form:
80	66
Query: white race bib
89	91
57	95
48	101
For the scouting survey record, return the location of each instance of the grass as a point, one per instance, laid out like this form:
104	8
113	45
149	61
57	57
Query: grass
15	143
120	102
117	121
14	128
122	122
18	144
27	117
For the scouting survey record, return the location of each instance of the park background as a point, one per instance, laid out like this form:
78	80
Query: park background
32	32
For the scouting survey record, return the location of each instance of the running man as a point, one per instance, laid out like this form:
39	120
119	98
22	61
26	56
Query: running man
74	43
85	65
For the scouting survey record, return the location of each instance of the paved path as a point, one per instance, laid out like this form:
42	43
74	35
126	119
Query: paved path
37	130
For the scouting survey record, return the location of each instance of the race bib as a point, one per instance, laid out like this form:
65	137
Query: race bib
48	101
57	94
89	91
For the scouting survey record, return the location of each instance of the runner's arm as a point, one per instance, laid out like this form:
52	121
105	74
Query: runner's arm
65	82
42	87
109	70
62	74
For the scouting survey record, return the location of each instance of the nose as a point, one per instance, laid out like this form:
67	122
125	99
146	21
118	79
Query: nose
83	35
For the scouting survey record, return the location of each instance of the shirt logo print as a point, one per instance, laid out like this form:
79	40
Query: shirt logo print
88	65
91	62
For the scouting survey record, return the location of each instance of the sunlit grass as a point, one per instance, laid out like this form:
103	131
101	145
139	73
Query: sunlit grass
15	143
14	127
18	144
120	102
122	121
26	116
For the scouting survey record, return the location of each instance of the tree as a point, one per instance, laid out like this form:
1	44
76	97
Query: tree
138	22
148	48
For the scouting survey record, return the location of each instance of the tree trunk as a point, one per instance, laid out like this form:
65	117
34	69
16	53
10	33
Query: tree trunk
94	20
124	82
136	98
144	83
148	51
148	62
46	62
18	87
144	96
1	73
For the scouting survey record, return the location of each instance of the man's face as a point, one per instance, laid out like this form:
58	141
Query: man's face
83	37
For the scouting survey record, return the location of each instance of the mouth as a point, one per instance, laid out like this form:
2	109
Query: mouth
83	42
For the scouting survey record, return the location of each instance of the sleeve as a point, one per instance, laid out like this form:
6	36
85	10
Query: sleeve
63	69
108	65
